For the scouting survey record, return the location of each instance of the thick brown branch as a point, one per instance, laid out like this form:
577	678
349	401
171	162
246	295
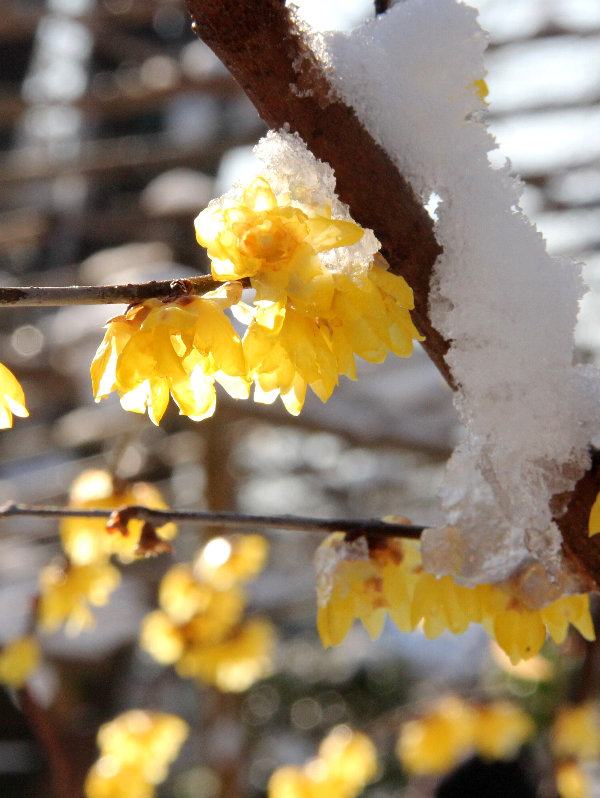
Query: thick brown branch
266	53
353	527
107	294
64	781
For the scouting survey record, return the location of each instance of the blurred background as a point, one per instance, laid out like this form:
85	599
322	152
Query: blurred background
117	126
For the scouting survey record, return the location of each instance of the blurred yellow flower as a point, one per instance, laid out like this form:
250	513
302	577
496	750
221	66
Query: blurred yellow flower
67	591
211	613
275	243
434	744
572	781
227	561
162	638
235	663
12	398
87	540
18	660
136	749
345	763
358	580
576	732
500	729
179	348
453	729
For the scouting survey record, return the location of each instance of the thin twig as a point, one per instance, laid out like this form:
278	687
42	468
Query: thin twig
354	527
42	296
64	781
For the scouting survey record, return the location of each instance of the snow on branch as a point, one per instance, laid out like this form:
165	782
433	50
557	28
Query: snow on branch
393	107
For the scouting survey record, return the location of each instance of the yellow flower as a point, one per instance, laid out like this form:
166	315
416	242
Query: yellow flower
368	319
500	729
351	760
18	660
108	779
572	781
435	743
136	749
179	347
86	540
371	319
234	664
66	594
346	762
215	612
481	89
576	732
301	354
594	519
226	561
12	398
362	580
161	638
275	243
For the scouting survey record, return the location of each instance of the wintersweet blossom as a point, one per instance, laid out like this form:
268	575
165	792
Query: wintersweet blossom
345	764
227	561
576	732
275	242
66	593
368	318
453	729
184	598
136	750
361	580
87	540
234	664
18	660
178	348
572	781
12	398
199	628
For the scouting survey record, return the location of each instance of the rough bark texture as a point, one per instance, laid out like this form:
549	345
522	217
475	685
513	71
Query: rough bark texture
266	53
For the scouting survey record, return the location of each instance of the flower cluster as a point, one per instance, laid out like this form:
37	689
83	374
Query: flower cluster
87	540
12	398
453	729
18	660
366	580
136	750
179	348
200	628
575	742
305	326
67	589
345	764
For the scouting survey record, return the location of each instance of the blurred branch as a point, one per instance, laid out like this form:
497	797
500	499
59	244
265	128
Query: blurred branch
108	294
352	527
64	780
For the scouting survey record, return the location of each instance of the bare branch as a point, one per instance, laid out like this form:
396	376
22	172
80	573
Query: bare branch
290	523
108	294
